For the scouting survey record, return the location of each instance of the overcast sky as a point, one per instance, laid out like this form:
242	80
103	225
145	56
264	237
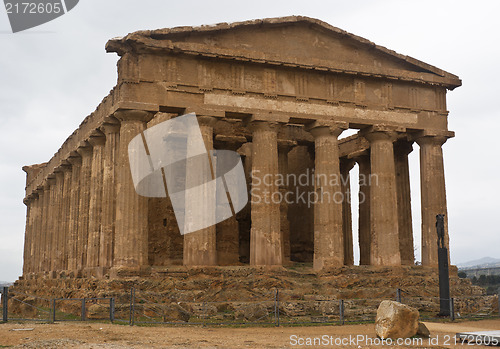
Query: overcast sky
54	75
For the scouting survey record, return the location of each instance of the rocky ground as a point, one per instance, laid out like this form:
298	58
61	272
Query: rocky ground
94	335
243	293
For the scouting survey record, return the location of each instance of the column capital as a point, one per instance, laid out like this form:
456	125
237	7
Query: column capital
326	128
263	125
49	182
59	175
205	120
378	133
428	135
360	155
84	149
126	115
229	142
108	128
431	140
97	138
75	160
403	147
62	167
285	145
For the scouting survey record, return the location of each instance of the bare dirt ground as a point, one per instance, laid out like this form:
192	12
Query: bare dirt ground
95	335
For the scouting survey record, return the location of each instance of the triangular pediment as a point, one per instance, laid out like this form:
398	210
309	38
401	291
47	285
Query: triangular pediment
289	40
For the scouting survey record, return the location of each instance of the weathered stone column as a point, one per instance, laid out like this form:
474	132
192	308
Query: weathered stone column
401	150
85	152
56	255
95	204
131	229
74	217
51	226
383	198
284	148
37	244
65	210
364	229
328	231
228	231
41	230
433	195
27	258
345	167
200	246
265	233
35	233
111	131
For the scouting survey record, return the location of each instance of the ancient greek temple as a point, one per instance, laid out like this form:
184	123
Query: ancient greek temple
280	92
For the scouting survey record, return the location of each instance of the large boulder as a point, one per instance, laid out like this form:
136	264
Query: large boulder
396	320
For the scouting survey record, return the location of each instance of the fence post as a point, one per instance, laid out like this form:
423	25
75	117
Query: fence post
84	309
204	313
341	311
5	304
398	295
452	309
132	306
498	301
111	309
278	305
53	311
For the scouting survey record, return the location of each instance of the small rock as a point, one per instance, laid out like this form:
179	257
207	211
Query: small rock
396	320
423	331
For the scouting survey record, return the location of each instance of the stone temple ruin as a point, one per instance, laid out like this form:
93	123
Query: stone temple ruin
280	92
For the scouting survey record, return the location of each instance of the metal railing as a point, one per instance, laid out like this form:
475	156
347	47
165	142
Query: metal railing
142	307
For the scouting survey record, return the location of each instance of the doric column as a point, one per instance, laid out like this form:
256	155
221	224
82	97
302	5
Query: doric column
328	231
284	148
64	221
265	233
433	195
111	131
383	198
51	226
40	230
345	167
72	237
131	230
401	150
85	152
28	236
364	229
35	240
200	246
228	231
56	253
95	203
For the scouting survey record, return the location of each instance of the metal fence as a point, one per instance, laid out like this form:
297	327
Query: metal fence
143	307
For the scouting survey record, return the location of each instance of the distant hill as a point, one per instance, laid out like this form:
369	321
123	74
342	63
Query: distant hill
486	262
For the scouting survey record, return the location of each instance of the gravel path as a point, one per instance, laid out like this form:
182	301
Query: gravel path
94	335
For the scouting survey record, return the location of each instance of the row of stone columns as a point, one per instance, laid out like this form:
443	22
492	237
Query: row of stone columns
88	218
71	218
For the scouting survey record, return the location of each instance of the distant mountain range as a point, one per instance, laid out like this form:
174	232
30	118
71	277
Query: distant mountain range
486	262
